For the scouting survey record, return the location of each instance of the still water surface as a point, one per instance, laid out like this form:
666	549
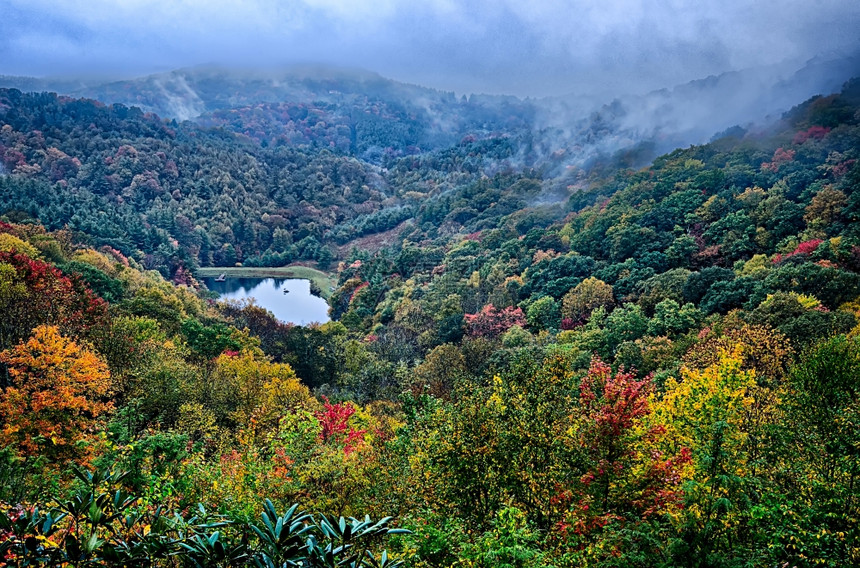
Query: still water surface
296	306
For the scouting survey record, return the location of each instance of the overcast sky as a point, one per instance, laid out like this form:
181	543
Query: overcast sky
523	47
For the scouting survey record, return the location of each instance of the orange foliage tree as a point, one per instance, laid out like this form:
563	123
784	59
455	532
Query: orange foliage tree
57	390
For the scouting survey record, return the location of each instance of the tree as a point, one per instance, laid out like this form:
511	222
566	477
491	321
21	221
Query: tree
246	390
492	322
817	444
630	482
699	283
825	210
671	319
440	371
611	403
34	293
57	392
801	318
544	314
627	323
587	296
761	349
719	413
666	286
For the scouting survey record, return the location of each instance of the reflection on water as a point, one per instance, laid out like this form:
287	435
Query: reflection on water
296	306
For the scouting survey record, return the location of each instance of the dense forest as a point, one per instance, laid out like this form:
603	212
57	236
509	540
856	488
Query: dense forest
187	196
528	364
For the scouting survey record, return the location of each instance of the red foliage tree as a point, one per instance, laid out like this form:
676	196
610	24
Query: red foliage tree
814	132
627	477
334	419
492	322
34	293
804	248
780	156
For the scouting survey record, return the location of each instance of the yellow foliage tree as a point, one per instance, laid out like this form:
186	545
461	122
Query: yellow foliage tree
761	349
825	208
9	243
439	371
718	394
587	296
721	414
250	391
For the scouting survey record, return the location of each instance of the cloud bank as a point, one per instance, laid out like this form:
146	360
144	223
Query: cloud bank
534	48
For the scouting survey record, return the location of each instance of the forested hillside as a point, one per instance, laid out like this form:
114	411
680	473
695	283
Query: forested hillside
600	365
187	196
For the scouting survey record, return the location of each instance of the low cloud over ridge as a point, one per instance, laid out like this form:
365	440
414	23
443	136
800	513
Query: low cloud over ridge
499	46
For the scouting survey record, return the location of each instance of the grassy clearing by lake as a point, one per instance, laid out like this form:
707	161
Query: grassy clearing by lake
322	279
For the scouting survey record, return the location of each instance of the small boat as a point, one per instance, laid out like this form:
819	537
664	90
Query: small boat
286	291
221	277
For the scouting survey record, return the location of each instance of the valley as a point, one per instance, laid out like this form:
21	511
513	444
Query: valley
547	332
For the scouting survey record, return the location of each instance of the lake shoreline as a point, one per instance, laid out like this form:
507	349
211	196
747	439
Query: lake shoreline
324	281
290	300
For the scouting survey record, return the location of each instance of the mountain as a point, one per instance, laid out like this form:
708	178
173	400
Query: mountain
263	103
691	113
187	93
540	353
361	113
45	84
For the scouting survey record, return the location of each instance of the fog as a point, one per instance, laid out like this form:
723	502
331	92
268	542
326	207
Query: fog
536	48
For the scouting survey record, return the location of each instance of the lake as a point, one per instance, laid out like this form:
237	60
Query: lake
296	306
